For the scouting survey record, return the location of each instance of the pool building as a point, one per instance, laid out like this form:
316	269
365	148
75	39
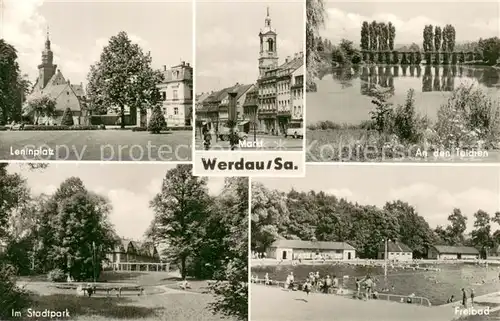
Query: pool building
310	250
444	252
396	251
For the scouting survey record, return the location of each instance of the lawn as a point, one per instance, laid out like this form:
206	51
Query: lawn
97	145
163	300
360	145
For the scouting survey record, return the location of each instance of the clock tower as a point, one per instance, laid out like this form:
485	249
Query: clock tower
268	57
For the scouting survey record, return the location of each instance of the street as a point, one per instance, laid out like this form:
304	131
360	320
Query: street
262	142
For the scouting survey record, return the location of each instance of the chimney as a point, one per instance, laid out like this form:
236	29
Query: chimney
68	82
164	67
187	64
286	60
183	63
302	54
296	55
232	106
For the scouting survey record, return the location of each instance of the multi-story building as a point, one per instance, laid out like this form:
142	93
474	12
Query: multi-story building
176	91
213	111
279	91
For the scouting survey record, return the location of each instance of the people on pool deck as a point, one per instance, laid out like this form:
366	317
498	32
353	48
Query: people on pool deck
472	296
307	287
266	279
451	299
328	284
369	286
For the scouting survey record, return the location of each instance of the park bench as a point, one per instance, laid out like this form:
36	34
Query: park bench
89	290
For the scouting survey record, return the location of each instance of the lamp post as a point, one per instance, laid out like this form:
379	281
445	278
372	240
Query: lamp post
232	118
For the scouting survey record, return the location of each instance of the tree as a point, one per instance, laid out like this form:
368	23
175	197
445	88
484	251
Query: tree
67	118
43	106
448	38
374	36
315	19
9	86
481	235
231	288
157	121
437	38
269	214
490	49
392	35
365	36
82	233
457	228
123	77
180	209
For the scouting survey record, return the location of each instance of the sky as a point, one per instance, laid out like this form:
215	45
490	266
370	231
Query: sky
129	188
434	190
227	39
79	30
471	19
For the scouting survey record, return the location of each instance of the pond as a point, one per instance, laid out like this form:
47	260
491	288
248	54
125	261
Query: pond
342	95
437	286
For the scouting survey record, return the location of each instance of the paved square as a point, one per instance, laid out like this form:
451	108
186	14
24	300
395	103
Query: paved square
98	145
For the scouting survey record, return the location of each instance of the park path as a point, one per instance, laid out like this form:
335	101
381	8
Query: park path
165	290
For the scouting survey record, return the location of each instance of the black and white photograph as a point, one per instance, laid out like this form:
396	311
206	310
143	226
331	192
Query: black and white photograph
249	75
110	242
405	81
96	80
379	243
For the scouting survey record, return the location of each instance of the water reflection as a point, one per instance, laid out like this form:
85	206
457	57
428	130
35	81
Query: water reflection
434	78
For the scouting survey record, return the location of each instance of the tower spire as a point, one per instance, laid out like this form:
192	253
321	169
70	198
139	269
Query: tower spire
268	11
268	19
47	41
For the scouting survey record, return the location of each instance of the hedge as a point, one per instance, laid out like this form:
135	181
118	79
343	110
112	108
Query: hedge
60	127
109	120
3	128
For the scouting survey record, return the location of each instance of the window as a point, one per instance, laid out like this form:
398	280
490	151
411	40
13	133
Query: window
67	93
175	95
176	110
163	95
164	111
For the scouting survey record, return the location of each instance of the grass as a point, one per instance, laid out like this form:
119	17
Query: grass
361	145
163	300
107	145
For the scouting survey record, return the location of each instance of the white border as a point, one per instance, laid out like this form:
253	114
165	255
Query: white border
304	87
249	262
193	124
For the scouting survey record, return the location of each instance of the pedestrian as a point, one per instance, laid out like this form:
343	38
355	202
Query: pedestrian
464	298
472	296
307	287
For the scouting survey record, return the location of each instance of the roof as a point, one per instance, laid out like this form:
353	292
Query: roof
293	64
444	249
178	73
78	89
201	97
299	244
144	249
395	247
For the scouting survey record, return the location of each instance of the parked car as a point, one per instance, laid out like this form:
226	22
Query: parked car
295	130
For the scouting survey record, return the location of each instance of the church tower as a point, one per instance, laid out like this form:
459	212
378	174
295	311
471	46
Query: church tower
268	58
46	69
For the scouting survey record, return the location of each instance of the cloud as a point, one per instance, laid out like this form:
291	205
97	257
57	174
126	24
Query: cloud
341	24
213	38
341	193
435	203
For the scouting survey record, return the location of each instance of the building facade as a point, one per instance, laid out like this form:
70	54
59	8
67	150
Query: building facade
441	252
279	90
176	92
396	251
309	250
128	253
51	83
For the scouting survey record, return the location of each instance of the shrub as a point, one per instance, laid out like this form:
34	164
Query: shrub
407	125
382	115
468	119
139	129
157	121
11	296
67	118
56	275
3	128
